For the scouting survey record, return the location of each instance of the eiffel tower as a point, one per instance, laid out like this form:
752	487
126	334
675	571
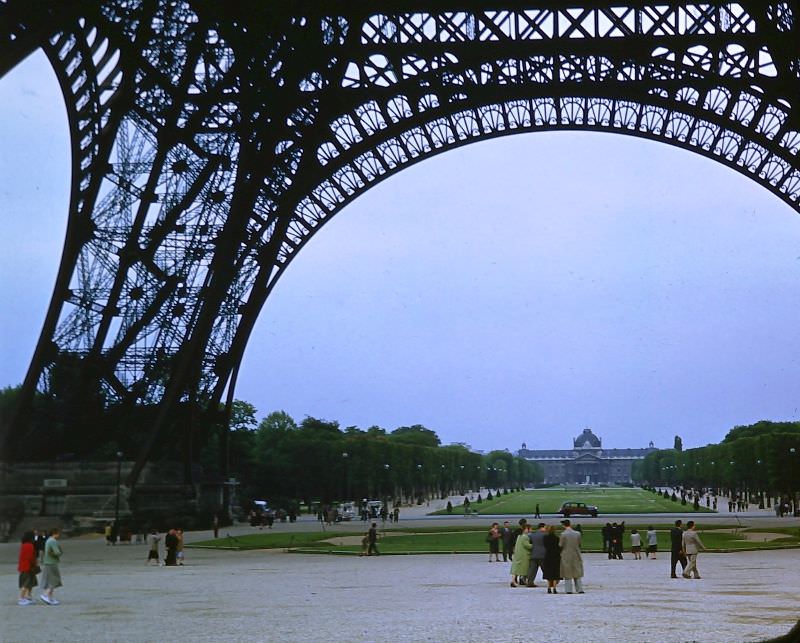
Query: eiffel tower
212	140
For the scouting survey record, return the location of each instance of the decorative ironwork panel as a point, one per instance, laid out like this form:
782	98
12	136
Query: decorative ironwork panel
211	141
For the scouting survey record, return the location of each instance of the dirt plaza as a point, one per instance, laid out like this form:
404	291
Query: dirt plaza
109	594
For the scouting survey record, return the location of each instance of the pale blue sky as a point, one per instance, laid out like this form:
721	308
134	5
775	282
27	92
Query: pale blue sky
515	290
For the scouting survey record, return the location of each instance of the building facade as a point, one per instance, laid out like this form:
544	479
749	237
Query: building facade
586	463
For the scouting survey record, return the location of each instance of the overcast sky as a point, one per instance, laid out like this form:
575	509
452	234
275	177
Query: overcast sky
515	290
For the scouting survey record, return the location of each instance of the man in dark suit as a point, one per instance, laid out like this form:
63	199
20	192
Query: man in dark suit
606	532
677	555
538	552
507	537
372	539
617	532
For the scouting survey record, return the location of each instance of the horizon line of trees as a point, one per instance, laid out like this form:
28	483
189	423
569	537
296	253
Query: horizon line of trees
277	457
319	461
756	463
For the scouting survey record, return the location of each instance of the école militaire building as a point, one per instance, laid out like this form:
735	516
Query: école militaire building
587	462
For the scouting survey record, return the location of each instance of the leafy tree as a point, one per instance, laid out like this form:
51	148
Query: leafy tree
320	428
764	427
416	434
243	416
279	421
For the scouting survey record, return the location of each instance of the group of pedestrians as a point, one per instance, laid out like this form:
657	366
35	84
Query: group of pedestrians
685	545
29	567
636	544
557	555
173	548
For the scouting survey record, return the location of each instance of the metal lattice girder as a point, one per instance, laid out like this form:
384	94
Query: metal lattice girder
212	140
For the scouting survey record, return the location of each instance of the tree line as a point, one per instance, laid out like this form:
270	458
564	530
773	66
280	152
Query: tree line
317	460
276	458
756	462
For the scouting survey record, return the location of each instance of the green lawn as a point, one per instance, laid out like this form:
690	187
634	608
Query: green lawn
472	540
609	500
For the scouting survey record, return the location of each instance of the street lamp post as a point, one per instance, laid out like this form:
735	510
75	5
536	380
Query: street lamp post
760	484
116	504
386	468
793	482
345	456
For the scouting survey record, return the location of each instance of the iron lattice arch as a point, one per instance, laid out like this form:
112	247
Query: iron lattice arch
210	142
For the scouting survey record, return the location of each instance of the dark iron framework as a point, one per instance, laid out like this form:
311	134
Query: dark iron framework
212	140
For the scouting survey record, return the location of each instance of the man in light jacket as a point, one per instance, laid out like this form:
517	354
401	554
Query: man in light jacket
692	545
571	560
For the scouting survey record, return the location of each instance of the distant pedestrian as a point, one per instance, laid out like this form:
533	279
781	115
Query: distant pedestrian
109	534
652	542
27	568
372	537
179	547
538	552
536	513
507	540
551	567
636	544
606	533
152	554
677	554
493	538
522	555
571	559
617	532
51	576
215	525
692	545
171	545
396	513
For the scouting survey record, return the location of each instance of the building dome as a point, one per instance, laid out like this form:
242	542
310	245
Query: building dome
587	440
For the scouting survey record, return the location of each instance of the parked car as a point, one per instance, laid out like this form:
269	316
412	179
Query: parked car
578	509
346	511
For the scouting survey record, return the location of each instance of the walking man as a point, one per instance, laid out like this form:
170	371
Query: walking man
677	555
51	576
692	545
538	551
372	539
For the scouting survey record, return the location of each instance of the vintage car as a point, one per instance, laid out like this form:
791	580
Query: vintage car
577	509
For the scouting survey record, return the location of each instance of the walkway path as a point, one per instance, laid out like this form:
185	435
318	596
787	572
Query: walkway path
110	595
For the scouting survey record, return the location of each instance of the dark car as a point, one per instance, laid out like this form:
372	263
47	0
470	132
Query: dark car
577	509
